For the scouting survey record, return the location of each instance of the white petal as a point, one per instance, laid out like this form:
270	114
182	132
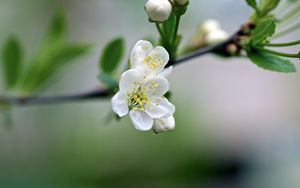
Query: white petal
160	108
161	56
164	124
120	104
129	80
156	86
140	50
166	72
141	120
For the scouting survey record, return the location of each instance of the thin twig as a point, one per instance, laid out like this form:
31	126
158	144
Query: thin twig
100	93
36	100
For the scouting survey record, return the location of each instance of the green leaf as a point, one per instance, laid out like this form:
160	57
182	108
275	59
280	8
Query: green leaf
11	62
112	55
271	62
57	28
252	3
267	6
48	63
263	30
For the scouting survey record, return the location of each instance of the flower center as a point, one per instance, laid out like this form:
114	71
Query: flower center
153	61
138	99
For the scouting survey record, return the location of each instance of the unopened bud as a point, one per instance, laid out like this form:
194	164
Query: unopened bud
164	124
158	10
208	26
216	36
232	49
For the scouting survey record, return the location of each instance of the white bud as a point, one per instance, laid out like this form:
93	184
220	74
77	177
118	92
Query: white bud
181	2
164	124
216	36
158	10
208	26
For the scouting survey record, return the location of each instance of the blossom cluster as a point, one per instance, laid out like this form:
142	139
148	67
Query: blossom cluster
142	89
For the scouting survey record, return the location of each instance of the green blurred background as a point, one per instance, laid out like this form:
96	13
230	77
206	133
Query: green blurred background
236	125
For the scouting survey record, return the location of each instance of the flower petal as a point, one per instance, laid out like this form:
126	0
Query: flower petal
141	120
166	72
156	86
139	52
160	107
130	79
160	57
120	104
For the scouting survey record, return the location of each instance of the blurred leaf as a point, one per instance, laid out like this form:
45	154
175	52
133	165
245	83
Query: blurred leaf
112	55
271	62
252	3
107	79
57	28
267	6
43	68
263	30
11	61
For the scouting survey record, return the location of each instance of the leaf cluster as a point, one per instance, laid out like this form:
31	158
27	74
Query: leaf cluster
54	54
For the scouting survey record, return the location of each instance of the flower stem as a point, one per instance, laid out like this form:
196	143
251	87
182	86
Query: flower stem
173	42
177	21
160	30
283	44
278	53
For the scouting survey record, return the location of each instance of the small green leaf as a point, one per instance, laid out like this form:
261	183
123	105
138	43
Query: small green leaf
263	30
267	6
252	3
48	63
57	28
11	61
112	55
270	62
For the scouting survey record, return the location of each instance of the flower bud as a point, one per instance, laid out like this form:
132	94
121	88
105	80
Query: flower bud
209	26
232	49
158	10
164	124
216	36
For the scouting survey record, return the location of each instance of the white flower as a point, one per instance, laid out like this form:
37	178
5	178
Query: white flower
158	10
142	98
216	36
149	61
164	124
